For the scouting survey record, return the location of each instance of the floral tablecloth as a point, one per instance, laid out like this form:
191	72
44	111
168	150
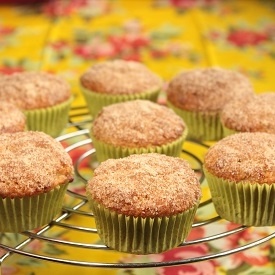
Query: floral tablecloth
67	37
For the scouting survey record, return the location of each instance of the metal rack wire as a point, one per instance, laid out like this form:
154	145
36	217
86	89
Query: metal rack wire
77	139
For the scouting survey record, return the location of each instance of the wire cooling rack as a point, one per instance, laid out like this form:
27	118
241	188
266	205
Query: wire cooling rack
77	142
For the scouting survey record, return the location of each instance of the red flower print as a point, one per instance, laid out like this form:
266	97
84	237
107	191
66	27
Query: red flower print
10	70
96	48
159	53
61	8
132	57
196	233
77	153
6	30
200	268
118	42
242	38
256	256
183	4
127	42
59	45
137	41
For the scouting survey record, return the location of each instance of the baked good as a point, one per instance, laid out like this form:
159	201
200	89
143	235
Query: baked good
250	114
198	96
45	99
137	126
12	119
115	81
35	171
144	203
240	171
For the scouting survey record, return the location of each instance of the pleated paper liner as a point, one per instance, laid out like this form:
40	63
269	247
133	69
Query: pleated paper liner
96	101
200	126
51	120
227	131
106	151
20	214
142	235
243	202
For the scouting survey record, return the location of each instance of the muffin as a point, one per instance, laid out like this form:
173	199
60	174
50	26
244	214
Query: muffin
115	81
135	127
35	172
144	203
251	114
45	99
199	95
240	171
12	119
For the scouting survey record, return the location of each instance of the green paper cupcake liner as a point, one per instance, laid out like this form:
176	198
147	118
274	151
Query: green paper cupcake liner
138	235
96	101
200	126
243	203
20	214
228	131
51	121
106	151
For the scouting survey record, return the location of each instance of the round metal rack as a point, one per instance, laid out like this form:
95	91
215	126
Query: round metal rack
76	207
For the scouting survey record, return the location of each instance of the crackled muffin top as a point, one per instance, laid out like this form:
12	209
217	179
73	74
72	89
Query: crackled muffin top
137	123
34	90
12	119
146	185
246	157
32	163
207	90
120	77
251	114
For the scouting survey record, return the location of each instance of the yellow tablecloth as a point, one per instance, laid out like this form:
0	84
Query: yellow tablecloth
67	37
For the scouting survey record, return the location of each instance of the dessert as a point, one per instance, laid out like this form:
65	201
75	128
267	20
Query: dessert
35	171
199	95
115	81
144	203
240	171
45	99
135	127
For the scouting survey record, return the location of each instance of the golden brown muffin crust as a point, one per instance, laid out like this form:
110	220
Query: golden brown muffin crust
207	90
146	185
247	157
251	114
12	119
120	77
34	90
32	163
137	123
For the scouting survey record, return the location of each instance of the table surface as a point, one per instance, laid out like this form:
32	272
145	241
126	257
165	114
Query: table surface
67	37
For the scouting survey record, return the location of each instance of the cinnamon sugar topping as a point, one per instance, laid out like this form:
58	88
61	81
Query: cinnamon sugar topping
247	157
120	77
207	90
146	185
251	114
137	123
12	119
32	163
34	90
